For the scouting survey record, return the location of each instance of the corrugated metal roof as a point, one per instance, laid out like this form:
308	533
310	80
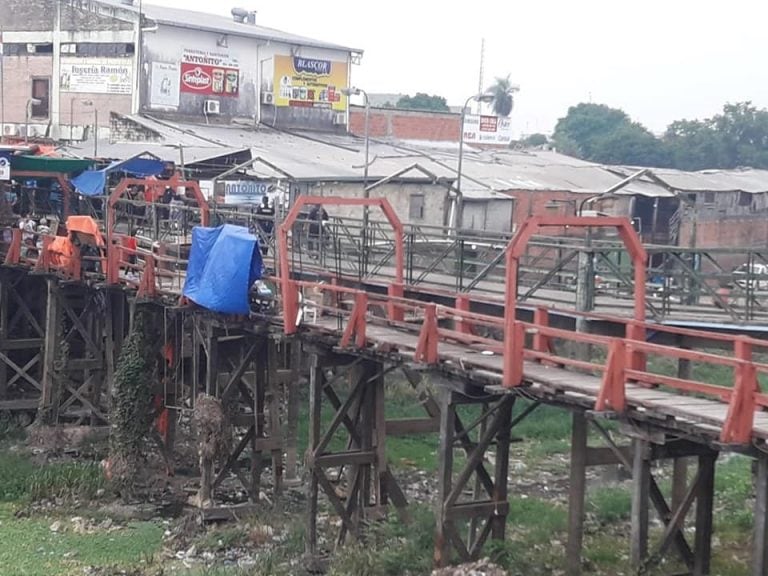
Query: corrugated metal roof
336	157
222	24
746	180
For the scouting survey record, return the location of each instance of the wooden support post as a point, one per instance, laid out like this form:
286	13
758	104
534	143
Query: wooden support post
680	465
109	340
292	388
702	550
380	441
760	540
3	334
273	399
576	495
52	331
679	482
315	415
445	475
501	477
196	363
259	410
212	360
641	481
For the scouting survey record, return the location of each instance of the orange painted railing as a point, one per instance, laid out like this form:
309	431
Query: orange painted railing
432	328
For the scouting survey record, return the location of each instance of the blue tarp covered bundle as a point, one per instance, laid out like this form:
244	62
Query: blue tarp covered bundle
223	264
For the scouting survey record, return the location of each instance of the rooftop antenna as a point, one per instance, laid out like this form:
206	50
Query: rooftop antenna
480	80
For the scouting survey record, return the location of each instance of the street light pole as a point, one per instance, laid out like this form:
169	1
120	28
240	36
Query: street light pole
357	92
366	193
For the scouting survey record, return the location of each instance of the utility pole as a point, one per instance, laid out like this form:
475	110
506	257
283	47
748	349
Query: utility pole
481	77
2	85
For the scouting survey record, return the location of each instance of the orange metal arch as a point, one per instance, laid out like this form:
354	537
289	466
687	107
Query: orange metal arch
513	369
175	181
289	289
60	177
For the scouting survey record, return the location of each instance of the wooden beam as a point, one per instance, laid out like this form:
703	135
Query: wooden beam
641	478
702	548
315	419
760	539
52	321
577	493
444	476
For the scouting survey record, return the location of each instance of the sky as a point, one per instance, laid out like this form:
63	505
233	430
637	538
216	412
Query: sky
658	60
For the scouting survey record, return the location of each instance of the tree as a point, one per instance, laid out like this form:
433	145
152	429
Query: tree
503	99
535	140
608	135
736	137
422	101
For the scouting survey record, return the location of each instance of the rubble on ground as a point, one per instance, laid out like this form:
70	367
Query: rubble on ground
482	567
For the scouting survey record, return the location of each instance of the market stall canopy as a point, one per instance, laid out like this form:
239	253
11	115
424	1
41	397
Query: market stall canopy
93	182
43	164
224	262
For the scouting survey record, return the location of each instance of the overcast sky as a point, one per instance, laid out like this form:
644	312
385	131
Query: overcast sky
659	60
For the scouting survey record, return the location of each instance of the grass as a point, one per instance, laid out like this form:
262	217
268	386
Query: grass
611	504
20	479
540	518
30	548
391	549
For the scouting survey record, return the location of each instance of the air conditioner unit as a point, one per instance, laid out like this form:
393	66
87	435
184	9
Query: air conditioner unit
31	48
339	119
268	98
10	130
212	107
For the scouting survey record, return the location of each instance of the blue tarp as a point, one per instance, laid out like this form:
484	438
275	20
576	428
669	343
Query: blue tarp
223	264
92	182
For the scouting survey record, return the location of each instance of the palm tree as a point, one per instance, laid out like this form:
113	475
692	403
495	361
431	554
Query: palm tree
503	99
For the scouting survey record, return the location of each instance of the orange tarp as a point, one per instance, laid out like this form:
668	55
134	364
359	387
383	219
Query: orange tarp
60	252
85	225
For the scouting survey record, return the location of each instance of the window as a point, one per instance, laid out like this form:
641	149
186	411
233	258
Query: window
40	91
104	49
416	208
709	197
745	199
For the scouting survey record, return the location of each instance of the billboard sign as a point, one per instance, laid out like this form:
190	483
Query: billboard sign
164	88
246	192
97	75
487	129
209	73
310	82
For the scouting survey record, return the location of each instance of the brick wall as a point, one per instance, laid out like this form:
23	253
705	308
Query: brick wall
122	129
727	232
406	124
83	114
17	83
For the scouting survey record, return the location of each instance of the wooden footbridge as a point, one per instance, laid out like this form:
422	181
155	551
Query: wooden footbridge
63	317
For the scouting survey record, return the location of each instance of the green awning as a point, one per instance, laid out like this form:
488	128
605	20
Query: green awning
49	164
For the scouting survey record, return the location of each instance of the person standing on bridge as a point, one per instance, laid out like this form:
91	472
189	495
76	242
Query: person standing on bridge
317	219
266	223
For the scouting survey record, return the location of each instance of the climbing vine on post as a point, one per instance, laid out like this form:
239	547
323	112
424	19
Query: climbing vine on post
135	376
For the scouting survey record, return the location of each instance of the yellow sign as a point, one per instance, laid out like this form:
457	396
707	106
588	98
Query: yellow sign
310	83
